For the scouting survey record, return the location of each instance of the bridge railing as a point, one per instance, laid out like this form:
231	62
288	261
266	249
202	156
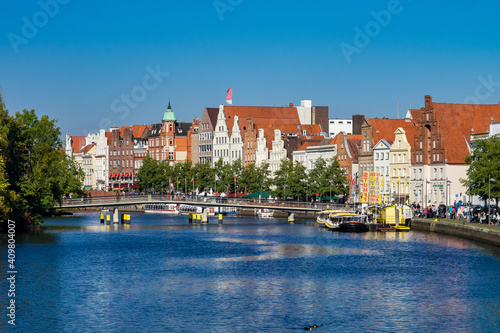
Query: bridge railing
141	198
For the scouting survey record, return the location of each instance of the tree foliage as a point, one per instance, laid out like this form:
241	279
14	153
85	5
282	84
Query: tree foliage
35	171
484	165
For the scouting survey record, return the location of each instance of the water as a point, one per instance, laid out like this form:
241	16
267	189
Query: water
249	275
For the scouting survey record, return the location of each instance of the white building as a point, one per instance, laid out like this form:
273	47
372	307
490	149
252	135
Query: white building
261	152
335	126
381	163
305	112
308	155
278	152
227	147
236	146
101	165
92	154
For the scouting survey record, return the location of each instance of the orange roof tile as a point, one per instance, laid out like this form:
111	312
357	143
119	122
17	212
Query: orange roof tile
86	149
384	128
261	115
455	124
77	143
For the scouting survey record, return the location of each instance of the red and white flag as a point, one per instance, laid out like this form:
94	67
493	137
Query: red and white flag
171	185
229	96
192	180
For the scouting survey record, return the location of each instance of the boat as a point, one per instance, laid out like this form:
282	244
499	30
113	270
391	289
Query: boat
264	213
324	215
396	215
161	208
191	209
225	210
352	223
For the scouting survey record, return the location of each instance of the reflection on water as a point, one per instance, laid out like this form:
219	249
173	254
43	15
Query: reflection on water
163	274
273	251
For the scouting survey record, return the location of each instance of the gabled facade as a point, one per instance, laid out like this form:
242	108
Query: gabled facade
440	146
372	131
91	152
381	162
277	153
205	137
400	166
261	152
221	141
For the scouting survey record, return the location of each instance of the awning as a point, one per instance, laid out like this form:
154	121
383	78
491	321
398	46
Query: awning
123	185
134	186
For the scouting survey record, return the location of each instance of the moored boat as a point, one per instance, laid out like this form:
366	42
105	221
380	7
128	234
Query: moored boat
264	213
161	208
353	223
324	215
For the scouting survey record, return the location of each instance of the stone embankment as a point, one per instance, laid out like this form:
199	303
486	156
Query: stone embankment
477	232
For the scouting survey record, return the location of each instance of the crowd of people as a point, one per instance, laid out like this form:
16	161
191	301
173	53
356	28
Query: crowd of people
457	211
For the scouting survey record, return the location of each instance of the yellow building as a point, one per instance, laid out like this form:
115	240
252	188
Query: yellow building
400	166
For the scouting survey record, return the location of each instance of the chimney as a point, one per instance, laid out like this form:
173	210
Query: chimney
428	101
291	105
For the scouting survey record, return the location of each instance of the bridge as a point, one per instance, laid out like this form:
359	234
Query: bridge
290	207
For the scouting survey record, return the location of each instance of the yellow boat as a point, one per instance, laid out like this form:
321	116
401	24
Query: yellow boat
324	215
396	215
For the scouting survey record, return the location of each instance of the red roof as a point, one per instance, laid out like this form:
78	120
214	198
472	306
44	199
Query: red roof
261	115
455	123
77	143
86	149
384	128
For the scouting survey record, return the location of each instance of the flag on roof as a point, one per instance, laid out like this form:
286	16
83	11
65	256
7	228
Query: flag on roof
229	96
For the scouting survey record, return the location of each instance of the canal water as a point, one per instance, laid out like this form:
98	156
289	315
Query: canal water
163	274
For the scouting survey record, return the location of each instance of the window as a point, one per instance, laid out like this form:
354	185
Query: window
404	158
399	143
420	144
433	143
171	156
376	156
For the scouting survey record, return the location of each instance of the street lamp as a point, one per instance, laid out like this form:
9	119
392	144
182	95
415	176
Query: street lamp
330	190
489	199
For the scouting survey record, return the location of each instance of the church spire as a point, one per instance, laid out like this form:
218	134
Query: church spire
169	114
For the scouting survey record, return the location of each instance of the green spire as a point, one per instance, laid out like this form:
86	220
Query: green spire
169	114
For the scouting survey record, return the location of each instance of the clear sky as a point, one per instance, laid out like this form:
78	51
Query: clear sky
90	64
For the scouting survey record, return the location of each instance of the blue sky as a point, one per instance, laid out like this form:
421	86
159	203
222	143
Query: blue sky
83	57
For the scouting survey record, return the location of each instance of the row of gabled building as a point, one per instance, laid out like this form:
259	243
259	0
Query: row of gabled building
419	159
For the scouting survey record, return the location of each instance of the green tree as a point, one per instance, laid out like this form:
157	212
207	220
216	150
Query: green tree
255	178
35	170
204	176
149	175
337	177
282	180
297	181
318	179
484	165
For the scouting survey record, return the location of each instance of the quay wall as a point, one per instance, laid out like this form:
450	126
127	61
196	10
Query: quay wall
467	230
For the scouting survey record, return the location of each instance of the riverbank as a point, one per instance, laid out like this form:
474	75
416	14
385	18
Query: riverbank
473	231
